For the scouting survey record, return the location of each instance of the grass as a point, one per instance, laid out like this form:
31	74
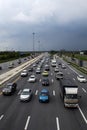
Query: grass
77	67
2	61
81	57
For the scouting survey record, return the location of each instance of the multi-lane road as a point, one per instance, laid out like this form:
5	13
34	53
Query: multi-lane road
5	66
16	115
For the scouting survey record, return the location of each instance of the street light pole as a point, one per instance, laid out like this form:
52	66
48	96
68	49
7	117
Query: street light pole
33	41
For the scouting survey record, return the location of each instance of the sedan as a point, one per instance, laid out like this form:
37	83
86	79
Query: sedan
45	82
63	66
0	68
30	69
11	65
9	89
56	69
44	96
24	73
32	79
47	68
59	75
26	95
81	78
45	73
38	71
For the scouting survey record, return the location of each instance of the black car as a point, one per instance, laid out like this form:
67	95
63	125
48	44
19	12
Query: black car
59	63
9	89
47	68
30	69
45	82
19	61
0	68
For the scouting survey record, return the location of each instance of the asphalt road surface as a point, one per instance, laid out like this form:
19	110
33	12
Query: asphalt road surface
16	115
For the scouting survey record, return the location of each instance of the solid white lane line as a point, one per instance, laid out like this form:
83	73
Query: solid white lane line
19	92
26	126
53	93
57	122
74	79
36	92
1	117
52	80
82	115
74	70
84	90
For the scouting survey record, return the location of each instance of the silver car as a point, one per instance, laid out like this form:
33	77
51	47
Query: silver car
32	79
81	79
24	73
26	95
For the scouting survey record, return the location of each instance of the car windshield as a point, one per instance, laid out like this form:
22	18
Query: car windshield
9	86
45	80
81	77
32	76
60	74
71	96
44	94
25	93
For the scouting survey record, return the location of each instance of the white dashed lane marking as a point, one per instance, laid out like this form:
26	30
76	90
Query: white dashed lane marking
36	92
84	90
53	93
52	80
57	122
1	117
19	92
27	123
40	80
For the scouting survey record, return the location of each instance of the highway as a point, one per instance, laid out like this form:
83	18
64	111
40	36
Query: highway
5	66
33	115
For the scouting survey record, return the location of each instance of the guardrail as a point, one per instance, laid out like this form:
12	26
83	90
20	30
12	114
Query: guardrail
6	76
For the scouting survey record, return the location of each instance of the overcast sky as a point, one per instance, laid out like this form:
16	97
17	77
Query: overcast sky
57	24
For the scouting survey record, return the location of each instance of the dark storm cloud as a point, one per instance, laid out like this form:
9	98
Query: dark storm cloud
57	24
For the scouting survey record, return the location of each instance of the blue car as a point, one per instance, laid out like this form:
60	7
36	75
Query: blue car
44	95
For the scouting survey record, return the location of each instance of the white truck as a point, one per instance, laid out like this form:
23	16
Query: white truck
69	92
53	63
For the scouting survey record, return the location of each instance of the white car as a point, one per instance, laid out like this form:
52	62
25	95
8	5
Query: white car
38	71
26	95
24	73
32	78
81	78
11	65
56	69
63	66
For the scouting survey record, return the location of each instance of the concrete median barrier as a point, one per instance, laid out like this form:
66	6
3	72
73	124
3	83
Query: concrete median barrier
6	76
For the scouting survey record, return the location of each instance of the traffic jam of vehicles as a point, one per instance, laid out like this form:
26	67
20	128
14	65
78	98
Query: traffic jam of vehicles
45	79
